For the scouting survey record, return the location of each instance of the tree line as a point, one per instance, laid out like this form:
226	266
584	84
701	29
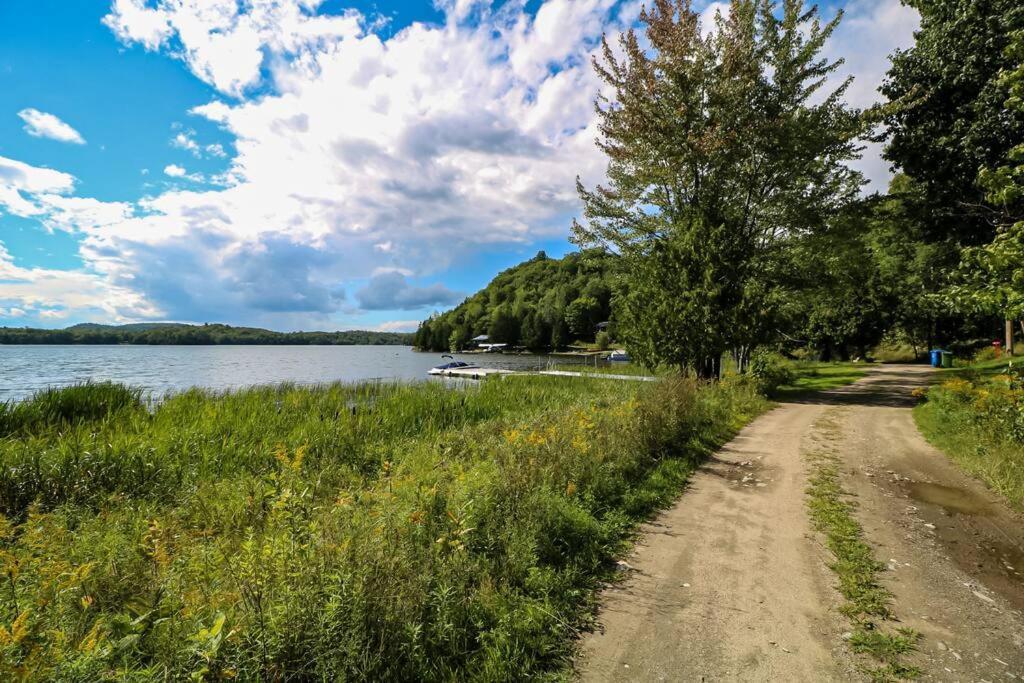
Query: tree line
543	303
731	218
194	335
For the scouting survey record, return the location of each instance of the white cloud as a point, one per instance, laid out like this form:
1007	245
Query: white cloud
175	171
359	158
20	183
185	141
869	32
39	124
398	326
28	292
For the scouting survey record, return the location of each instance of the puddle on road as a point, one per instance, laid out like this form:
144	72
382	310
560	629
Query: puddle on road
953	500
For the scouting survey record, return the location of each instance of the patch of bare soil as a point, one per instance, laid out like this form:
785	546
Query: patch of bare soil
729	583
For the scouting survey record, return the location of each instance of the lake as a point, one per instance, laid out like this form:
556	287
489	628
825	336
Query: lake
163	369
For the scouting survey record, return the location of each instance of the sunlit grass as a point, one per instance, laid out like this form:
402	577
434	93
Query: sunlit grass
343	532
819	376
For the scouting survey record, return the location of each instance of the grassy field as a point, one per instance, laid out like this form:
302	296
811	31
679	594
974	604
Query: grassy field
809	376
374	532
975	414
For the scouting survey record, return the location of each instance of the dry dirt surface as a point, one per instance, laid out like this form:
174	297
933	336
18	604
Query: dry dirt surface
733	584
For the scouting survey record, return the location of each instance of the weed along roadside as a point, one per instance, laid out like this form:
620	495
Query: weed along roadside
384	532
875	632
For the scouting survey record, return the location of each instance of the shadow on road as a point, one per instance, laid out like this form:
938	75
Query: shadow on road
889	386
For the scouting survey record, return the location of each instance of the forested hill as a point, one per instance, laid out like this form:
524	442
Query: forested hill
541	303
175	333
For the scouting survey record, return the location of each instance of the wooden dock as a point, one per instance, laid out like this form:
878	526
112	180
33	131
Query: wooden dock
473	373
597	375
481	373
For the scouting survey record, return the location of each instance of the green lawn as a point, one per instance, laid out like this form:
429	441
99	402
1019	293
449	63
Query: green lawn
819	376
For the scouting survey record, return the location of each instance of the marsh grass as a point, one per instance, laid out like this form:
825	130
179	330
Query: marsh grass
371	532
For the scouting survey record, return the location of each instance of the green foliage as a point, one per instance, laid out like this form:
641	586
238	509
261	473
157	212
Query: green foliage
770	371
541	303
192	335
372	532
718	157
947	117
992	276
603	340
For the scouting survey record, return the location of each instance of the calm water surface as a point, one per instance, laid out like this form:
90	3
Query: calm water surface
163	369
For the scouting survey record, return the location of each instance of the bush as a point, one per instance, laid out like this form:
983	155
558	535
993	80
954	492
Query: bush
770	371
603	340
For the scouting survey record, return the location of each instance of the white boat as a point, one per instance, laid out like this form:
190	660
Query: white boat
453	365
619	356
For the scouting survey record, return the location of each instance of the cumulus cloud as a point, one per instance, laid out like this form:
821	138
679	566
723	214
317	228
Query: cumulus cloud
358	158
20	185
869	32
39	124
175	171
390	290
45	293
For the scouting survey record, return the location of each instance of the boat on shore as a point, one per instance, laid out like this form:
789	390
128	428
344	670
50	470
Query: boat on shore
619	356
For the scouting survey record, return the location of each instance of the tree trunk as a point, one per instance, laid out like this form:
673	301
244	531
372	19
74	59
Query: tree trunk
1009	337
710	368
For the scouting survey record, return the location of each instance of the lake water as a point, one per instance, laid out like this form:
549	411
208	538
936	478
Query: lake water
163	369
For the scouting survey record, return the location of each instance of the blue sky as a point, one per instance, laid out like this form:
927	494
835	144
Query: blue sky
298	164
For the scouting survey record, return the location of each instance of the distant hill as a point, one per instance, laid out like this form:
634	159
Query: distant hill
199	335
543	303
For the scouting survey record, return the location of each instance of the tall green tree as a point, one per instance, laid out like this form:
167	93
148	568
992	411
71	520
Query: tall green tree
992	276
947	117
722	147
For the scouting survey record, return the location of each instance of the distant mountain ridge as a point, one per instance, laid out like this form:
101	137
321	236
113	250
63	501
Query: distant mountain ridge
195	335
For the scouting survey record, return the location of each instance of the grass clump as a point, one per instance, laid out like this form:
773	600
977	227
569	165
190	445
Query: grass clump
976	416
371	532
867	602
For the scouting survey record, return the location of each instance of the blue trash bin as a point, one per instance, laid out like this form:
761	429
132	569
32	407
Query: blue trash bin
936	358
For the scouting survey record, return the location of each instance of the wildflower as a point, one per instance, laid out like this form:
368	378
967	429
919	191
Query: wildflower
570	489
536	439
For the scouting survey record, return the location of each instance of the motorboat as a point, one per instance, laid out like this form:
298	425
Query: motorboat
619	356
452	365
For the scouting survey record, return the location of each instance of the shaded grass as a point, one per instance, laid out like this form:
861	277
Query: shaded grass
819	376
371	532
868	603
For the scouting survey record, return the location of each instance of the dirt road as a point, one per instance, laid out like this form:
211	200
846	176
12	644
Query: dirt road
732	583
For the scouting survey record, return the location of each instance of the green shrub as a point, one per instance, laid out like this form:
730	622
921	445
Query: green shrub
770	371
603	340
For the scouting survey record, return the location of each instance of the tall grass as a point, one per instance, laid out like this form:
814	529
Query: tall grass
373	532
65	407
977	418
